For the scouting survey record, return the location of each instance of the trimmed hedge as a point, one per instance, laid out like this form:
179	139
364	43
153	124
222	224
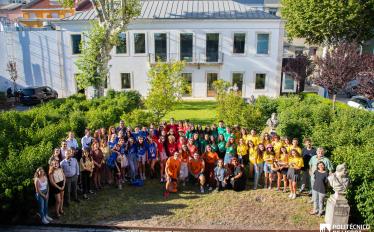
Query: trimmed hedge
27	140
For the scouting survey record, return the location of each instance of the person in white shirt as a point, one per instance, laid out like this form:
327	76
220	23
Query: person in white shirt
63	149
86	140
71	141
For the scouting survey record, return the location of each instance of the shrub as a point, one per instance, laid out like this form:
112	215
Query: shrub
139	117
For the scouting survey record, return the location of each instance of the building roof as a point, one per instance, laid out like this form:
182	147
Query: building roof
193	9
11	6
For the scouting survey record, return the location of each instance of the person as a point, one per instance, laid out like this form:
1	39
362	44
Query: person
86	139
98	161
161	147
307	153
221	128
266	140
238	179
121	127
295	163
295	145
203	143
104	147
152	155
227	135
242	151
220	175
251	153
192	148
253	137
63	149
221	146
269	156
121	163
142	156
114	169
111	132
230	150
172	170
258	163
282	160
57	182
184	156
210	158
132	155
42	194
319	188
196	169
71	142
86	167
171	146
213	144
71	169
55	156
277	144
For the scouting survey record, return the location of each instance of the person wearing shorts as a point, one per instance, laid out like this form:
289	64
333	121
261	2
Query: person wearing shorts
196	169
152	154
172	171
142	156
295	163
269	160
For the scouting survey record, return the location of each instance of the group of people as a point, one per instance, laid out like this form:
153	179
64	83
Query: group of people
215	157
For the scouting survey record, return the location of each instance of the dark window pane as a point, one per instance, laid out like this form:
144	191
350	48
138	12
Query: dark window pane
139	40
212	47
76	44
239	43
289	83
125	81
262	43
186	47
260	81
122	43
237	80
160	47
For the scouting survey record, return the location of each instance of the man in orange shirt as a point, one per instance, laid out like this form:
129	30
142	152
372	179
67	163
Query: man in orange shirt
196	169
172	169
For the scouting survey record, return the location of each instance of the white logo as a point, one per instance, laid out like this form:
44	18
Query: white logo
324	227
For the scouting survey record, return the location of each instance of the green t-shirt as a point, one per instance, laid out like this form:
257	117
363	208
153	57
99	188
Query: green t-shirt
221	130
231	150
221	146
214	147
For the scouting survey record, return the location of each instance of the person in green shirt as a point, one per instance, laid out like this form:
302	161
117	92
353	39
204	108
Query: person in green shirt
214	131
230	150
221	128
227	134
221	146
213	144
203	143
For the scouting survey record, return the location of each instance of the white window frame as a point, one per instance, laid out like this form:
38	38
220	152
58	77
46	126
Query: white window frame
114	52
245	43
71	43
194	57
133	43
152	44
284	84
256	40
266	81
131	81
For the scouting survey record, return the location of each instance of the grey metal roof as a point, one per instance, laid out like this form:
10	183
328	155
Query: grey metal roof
193	9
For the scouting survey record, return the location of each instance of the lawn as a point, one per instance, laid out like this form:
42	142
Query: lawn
146	207
199	112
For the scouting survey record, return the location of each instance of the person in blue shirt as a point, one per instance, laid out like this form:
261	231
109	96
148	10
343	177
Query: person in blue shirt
132	156
152	154
220	174
136	133
144	132
142	156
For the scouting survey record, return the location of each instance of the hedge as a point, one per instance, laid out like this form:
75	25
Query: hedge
27	140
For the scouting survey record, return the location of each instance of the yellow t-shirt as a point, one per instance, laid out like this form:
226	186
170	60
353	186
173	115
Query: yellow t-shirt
266	142
242	150
252	157
283	158
277	146
268	157
295	162
257	158
298	149
288	147
254	139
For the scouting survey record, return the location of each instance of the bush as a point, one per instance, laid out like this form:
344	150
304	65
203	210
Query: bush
139	117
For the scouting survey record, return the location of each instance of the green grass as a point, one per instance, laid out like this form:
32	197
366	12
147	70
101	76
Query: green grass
199	112
145	206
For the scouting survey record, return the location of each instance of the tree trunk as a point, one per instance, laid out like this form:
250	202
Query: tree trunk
333	101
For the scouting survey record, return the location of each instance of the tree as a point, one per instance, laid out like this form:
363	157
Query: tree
12	69
299	68
113	17
166	87
366	77
328	22
338	67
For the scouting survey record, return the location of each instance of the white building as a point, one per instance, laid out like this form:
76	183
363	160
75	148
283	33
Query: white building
233	40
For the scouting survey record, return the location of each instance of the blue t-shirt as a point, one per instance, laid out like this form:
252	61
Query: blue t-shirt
152	151
142	150
144	134
112	144
133	149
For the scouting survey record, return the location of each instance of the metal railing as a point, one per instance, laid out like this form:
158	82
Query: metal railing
196	58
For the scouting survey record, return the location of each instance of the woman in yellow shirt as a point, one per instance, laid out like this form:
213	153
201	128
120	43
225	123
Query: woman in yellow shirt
254	137
287	144
269	159
242	151
266	140
252	152
295	145
295	163
277	144
258	163
281	160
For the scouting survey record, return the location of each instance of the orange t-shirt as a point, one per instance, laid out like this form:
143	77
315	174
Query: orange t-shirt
184	156
173	167
196	166
210	157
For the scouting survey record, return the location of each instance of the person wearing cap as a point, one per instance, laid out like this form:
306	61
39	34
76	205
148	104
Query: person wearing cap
196	169
269	156
230	150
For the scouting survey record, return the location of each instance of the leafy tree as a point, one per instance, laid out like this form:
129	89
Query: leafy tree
112	18
366	77
328	22
337	68
299	68
221	88
166	87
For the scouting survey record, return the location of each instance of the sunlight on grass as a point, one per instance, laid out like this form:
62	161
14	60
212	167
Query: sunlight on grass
202	112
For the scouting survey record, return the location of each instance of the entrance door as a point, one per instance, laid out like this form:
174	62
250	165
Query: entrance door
211	77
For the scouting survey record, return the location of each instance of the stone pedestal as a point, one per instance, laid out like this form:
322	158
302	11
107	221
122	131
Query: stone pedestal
337	210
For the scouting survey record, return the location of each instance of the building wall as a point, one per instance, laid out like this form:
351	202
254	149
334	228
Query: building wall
35	18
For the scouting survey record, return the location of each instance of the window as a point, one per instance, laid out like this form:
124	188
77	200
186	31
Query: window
289	82
239	43
160	47
76	43
139	41
121	47
186	47
262	43
212	46
125	81
273	11
237	81
187	85
211	78
260	81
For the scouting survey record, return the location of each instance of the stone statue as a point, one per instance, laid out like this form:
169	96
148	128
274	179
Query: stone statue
272	122
339	180
337	207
